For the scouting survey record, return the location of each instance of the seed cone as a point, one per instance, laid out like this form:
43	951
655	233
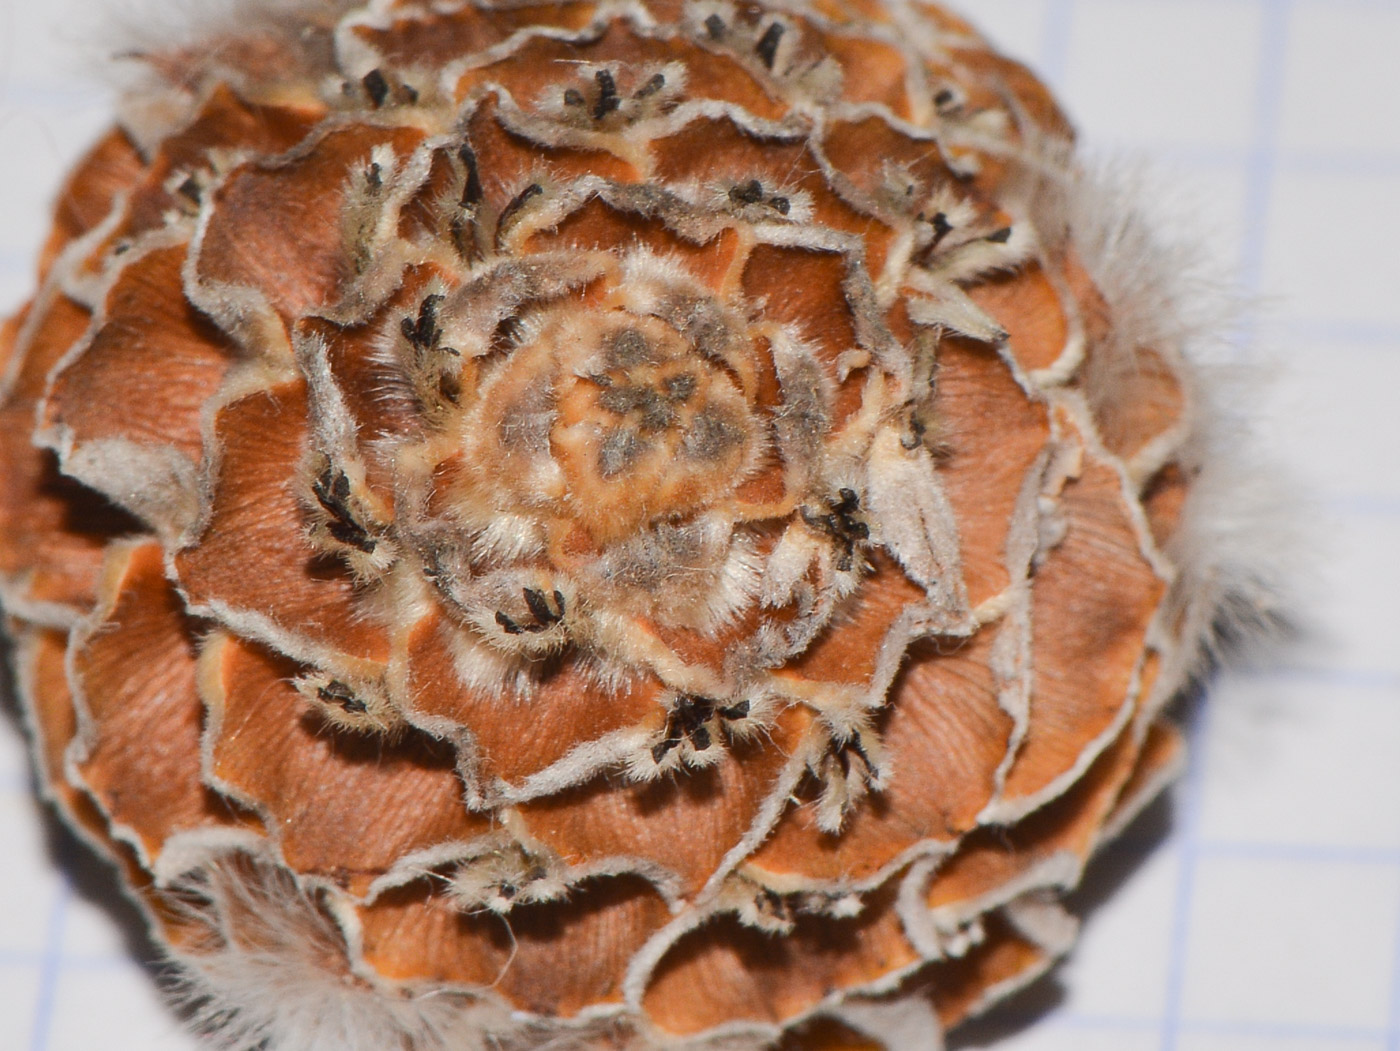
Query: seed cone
600	525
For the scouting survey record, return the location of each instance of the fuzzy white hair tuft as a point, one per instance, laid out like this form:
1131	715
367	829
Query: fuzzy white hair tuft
1239	543
279	982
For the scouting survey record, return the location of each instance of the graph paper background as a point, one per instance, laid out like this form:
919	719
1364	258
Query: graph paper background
1259	908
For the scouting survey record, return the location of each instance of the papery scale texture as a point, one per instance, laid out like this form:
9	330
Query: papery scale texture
622	524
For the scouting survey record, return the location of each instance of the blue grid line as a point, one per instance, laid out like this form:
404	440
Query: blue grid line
20	958
1263	153
1349	163
37	959
54	97
1054	46
1348	333
49	971
1315	162
1302	853
1210	1027
1392	1041
1226	1027
1355	678
1393	1037
1364	506
1315	1031
1188	839
96	963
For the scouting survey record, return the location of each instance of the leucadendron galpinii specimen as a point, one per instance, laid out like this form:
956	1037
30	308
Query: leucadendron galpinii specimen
599	525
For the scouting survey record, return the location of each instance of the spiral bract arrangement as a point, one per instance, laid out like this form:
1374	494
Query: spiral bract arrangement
627	523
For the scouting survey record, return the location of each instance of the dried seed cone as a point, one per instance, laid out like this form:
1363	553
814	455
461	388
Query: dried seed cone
597	525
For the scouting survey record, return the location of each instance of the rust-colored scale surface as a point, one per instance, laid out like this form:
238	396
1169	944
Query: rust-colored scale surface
640	522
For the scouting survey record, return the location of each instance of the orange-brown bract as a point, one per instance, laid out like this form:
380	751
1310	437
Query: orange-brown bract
639	523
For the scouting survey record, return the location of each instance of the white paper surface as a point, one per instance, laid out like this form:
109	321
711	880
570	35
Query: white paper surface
1260	909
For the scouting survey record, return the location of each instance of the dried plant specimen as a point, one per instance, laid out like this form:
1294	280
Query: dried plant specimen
601	524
